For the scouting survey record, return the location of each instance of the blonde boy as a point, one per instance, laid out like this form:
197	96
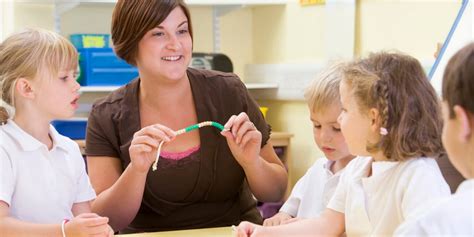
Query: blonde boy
313	191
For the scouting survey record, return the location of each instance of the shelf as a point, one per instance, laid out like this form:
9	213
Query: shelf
98	88
250	86
209	2
261	86
235	2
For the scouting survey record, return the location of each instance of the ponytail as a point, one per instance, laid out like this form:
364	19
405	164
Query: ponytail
3	115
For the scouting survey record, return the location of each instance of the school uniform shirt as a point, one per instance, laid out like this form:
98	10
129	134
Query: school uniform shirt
377	205
313	191
38	184
452	216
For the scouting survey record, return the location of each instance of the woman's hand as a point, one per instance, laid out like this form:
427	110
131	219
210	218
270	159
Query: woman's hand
243	138
145	144
88	224
279	219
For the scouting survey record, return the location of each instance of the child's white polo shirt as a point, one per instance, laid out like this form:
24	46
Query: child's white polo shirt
376	204
39	185
313	191
453	216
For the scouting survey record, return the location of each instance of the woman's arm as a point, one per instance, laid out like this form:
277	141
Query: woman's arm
330	223
119	194
265	172
267	177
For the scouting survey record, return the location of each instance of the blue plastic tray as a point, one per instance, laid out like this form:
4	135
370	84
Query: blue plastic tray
74	129
101	67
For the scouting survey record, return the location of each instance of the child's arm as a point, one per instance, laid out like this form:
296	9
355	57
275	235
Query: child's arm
85	207
13	227
330	223
82	207
278	219
82	225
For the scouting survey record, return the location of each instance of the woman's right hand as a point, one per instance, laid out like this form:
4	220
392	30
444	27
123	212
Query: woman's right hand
145	144
279	219
87	224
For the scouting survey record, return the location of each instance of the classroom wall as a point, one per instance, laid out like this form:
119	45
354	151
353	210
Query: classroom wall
33	15
285	34
412	26
409	26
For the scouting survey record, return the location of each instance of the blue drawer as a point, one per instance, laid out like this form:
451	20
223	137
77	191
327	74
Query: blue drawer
74	129
101	67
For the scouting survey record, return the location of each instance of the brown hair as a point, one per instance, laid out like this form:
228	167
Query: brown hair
458	80
396	85
324	89
29	53
132	19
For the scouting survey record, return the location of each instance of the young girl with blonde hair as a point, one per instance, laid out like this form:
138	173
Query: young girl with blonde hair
391	119
44	186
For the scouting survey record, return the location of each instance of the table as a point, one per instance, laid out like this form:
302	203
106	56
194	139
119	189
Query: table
219	231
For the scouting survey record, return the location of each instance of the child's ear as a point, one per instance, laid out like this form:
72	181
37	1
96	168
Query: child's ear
24	88
374	117
464	121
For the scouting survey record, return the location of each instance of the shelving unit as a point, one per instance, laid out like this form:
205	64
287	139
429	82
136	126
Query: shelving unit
206	2
250	86
220	8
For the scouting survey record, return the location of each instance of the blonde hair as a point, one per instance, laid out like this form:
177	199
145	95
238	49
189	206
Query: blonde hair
324	89
396	85
30	53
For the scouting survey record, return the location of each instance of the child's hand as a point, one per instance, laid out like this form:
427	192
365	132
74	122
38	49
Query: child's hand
243	138
88	224
279	219
291	220
246	228
110	232
144	145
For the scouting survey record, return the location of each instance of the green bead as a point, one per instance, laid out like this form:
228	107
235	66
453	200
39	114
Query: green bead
218	125
192	127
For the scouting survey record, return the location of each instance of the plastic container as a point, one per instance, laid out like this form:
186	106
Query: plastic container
74	128
90	40
101	67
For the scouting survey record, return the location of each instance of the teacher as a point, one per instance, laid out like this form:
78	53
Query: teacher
205	178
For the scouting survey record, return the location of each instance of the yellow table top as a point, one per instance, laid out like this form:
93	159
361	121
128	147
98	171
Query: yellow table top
220	231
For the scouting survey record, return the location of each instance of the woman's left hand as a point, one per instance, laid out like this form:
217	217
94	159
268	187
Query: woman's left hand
243	138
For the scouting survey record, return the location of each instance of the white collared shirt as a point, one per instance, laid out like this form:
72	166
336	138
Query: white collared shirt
377	205
452	216
38	184
313	191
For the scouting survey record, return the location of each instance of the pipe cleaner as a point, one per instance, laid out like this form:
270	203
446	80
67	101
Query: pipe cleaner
185	130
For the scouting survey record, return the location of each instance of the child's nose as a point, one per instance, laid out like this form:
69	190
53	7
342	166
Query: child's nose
326	135
76	86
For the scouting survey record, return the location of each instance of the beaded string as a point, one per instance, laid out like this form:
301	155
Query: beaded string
185	130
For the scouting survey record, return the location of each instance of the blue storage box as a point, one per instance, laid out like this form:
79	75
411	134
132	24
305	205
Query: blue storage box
74	128
90	40
101	67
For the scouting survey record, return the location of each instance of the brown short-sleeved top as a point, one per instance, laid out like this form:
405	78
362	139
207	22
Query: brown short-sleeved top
210	193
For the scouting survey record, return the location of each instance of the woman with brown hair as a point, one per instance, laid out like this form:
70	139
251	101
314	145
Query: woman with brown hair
204	178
